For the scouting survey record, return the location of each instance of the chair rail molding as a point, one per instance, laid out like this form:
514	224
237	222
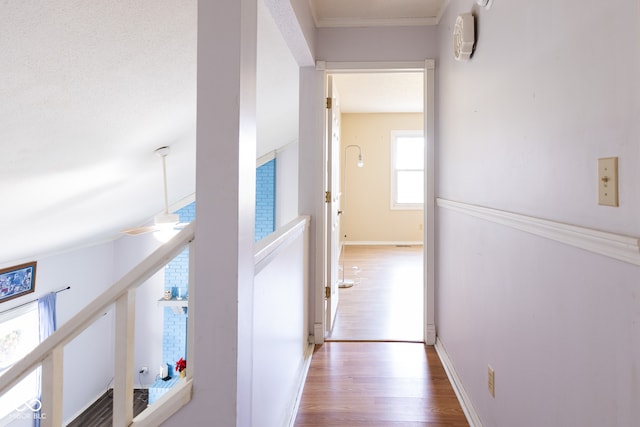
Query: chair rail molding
612	245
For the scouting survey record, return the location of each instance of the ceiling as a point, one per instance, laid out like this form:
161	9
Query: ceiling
90	89
400	92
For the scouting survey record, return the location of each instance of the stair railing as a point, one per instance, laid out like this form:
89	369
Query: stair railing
49	354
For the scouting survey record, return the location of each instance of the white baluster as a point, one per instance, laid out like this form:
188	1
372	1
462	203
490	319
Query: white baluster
123	377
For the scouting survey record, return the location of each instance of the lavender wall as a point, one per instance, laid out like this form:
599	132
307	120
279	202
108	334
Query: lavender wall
376	44
551	87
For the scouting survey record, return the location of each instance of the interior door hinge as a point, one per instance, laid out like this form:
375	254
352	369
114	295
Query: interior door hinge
327	196
329	103
327	292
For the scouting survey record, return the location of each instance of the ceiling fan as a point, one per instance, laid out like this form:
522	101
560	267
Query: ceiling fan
164	222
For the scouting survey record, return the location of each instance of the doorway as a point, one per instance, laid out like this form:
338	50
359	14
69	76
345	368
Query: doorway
372	265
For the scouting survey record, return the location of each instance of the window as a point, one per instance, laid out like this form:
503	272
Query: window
407	170
19	334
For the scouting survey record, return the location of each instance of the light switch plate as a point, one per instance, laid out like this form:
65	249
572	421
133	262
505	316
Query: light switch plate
608	181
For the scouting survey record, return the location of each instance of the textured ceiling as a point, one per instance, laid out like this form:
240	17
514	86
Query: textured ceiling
90	89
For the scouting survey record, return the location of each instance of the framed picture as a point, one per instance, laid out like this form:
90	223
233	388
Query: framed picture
17	281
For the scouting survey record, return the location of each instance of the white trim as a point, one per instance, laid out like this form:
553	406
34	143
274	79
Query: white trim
285	147
372	22
465	402
185	201
382	243
167	405
302	378
318	333
429	212
267	248
393	149
19	310
266	158
372	67
616	246
427	67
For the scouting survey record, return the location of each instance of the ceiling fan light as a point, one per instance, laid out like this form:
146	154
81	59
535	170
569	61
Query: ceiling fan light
165	233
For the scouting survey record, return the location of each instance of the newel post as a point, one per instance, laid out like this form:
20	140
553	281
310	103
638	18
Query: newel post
51	396
123	377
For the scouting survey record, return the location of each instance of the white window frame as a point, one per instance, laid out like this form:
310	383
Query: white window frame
26	389
394	175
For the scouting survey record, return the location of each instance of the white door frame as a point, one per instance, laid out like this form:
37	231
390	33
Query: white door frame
428	68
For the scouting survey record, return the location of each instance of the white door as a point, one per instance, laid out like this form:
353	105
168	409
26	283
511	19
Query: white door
332	204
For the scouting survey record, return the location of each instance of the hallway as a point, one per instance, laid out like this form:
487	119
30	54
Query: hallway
374	370
378	384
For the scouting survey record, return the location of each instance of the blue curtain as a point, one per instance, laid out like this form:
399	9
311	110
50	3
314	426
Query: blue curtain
47	316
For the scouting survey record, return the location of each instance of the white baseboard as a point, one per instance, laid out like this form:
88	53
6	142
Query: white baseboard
318	333
302	378
469	411
382	243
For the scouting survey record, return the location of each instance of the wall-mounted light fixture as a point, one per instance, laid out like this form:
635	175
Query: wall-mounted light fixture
485	3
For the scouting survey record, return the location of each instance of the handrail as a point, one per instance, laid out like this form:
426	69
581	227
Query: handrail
49	352
269	246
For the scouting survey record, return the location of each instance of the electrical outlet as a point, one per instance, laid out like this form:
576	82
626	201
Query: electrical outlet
491	383
143	370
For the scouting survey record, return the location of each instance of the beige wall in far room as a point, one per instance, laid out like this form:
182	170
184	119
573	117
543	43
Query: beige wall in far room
368	215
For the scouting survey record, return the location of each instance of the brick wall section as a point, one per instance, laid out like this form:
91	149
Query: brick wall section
265	199
176	279
176	273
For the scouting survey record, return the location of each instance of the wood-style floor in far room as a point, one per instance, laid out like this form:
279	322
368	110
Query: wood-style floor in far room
386	301
375	370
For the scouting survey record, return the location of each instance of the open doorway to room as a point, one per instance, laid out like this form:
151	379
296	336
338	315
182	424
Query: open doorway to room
381	176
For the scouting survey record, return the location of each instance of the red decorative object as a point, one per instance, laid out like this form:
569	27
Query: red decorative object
181	365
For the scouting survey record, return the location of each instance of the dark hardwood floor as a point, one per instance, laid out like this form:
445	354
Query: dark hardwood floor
378	384
100	414
365	375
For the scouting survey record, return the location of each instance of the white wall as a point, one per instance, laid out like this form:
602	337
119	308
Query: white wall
280	335
549	90
88	360
129	252
376	44
286	184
